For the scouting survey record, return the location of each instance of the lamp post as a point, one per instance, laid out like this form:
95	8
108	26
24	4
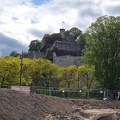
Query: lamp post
49	89
21	64
49	85
78	76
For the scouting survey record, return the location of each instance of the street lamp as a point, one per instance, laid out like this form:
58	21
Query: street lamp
78	76
21	64
49	87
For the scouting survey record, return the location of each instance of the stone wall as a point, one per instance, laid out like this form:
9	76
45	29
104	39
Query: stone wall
66	46
67	36
33	55
66	60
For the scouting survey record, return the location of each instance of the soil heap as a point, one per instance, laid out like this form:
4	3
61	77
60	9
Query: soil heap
20	106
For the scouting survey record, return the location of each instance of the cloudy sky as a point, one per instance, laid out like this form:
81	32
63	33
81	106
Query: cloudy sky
24	20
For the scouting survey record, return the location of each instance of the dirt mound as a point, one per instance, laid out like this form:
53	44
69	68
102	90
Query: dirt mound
96	104
20	106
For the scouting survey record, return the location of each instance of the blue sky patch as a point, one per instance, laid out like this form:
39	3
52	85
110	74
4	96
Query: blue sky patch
39	2
33	21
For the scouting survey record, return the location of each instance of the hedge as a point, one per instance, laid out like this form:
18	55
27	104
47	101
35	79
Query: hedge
70	94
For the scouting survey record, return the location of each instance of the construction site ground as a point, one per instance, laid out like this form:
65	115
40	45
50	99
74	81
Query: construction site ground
20	106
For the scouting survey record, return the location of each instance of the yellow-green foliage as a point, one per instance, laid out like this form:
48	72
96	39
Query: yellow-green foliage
33	71
68	76
86	74
9	70
41	72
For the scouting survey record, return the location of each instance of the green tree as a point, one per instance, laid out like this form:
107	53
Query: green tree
86	73
49	73
14	54
75	32
43	72
81	39
35	45
26	71
103	51
40	72
87	78
68	77
9	71
50	39
49	54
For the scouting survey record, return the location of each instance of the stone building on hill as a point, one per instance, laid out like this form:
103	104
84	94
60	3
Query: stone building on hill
67	52
64	47
34	55
67	36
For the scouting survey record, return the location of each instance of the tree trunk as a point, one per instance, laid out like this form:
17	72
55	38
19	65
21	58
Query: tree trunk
2	83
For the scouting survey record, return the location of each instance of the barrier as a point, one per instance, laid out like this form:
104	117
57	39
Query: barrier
23	89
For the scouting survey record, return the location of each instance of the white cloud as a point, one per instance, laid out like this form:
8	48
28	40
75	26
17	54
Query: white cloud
22	20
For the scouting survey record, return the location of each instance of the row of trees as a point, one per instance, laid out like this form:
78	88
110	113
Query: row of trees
102	51
41	72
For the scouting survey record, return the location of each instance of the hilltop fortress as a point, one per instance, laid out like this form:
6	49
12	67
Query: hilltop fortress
65	50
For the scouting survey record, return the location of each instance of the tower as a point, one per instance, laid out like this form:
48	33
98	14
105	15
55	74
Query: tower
62	32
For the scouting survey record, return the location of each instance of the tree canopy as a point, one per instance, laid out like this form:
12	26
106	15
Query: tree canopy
68	77
14	54
75	32
103	50
9	70
81	39
39	72
35	45
86	74
50	39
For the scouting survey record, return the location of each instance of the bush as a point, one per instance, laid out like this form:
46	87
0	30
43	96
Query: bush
59	93
4	86
42	91
74	94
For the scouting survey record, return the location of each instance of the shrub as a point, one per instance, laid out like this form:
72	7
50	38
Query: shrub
59	93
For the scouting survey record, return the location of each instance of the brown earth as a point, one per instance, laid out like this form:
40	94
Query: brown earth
19	106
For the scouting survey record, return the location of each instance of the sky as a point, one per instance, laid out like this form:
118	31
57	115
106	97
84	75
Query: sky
22	21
